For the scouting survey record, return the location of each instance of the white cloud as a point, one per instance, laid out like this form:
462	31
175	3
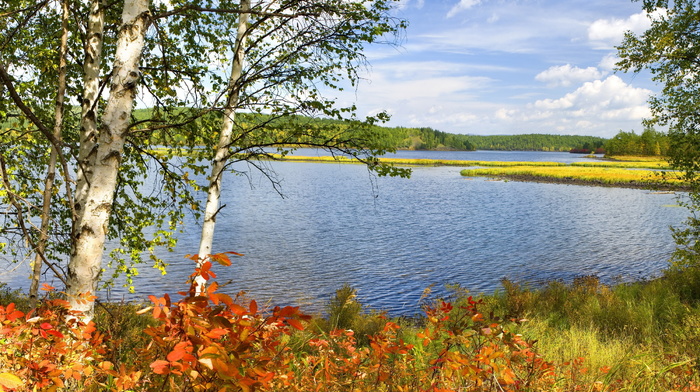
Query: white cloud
516	30
609	98
607	33
596	108
463	5
566	75
473	73
403	4
608	62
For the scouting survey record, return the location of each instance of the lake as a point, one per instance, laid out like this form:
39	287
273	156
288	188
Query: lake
391	238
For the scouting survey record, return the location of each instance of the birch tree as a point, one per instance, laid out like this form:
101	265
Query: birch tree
283	56
295	51
85	263
225	139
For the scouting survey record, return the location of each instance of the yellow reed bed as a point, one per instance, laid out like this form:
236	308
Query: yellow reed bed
624	164
600	175
627	158
596	172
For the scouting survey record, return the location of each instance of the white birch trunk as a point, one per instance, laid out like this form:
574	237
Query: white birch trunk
85	263
222	150
91	96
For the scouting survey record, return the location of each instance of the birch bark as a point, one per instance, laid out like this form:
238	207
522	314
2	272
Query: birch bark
85	262
91	96
53	159
222	149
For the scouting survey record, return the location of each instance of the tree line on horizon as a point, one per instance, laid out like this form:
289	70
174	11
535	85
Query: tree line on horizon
402	138
649	143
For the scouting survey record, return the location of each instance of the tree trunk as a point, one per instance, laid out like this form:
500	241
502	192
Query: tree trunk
53	160
91	96
222	150
89	237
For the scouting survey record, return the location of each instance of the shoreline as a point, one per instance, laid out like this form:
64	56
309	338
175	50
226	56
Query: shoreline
650	186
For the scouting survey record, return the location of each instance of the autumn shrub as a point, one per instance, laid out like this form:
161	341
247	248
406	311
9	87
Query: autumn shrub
49	349
210	341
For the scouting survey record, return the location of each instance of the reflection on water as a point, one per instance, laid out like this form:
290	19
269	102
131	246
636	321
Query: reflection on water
391	238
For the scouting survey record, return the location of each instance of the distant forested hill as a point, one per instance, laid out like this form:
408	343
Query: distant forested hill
402	138
536	142
385	137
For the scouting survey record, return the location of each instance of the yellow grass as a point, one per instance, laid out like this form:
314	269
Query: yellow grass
601	175
625	164
628	158
628	172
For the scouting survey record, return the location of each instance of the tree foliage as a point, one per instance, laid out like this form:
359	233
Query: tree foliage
297	53
649	143
534	142
670	50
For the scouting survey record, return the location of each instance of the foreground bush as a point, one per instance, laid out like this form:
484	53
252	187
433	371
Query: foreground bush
214	342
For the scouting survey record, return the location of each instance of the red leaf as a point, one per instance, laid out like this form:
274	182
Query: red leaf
295	323
46	287
55	333
253	307
11	313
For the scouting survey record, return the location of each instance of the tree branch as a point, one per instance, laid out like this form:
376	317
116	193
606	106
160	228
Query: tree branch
191	7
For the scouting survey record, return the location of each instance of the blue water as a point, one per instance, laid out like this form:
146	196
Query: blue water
391	238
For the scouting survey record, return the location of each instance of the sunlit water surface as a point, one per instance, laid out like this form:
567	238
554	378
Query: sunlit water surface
391	238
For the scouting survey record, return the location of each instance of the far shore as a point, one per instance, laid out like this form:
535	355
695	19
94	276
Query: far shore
620	172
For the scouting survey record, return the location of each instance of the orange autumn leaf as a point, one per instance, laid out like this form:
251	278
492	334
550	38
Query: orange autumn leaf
237	309
221	259
161	367
216	333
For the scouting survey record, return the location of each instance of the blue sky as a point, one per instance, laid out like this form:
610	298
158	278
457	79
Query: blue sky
509	67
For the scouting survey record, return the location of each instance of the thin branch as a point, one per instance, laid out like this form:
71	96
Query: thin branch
191	7
7	81
20	217
37	7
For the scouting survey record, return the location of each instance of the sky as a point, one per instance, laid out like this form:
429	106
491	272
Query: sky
508	67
